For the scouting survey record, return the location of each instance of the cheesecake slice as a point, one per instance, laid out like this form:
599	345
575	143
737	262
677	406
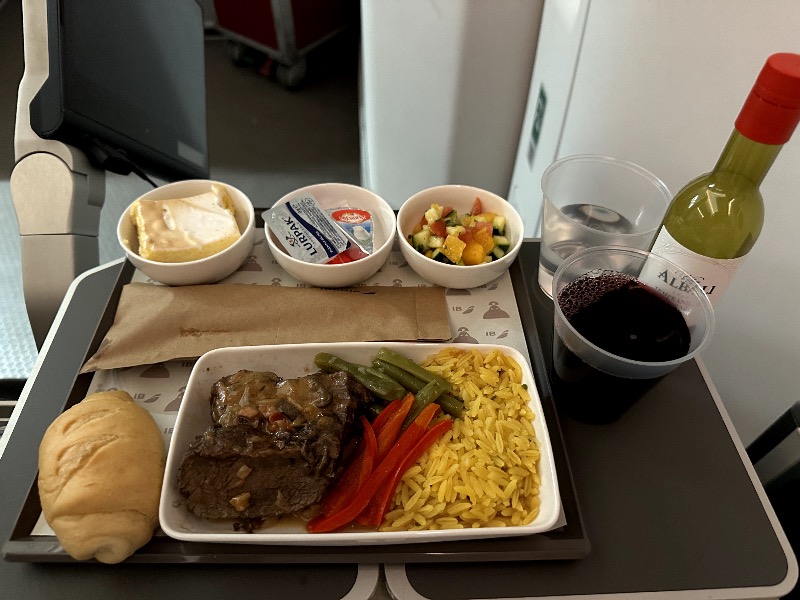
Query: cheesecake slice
185	229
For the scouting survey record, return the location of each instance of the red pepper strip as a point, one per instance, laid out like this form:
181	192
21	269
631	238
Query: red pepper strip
407	441
355	475
384	415
380	503
371	449
426	415
372	512
389	432
370	457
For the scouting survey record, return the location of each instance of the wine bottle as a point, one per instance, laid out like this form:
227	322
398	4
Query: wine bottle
715	219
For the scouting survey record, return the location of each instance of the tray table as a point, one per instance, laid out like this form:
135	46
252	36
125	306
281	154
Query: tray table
56	385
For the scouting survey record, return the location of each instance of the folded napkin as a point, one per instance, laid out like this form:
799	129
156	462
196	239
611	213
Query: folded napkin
155	323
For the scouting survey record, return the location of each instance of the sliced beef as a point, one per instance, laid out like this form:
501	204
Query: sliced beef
275	449
234	392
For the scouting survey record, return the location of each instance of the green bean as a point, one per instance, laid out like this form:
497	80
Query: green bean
450	404
398	360
404	378
382	375
425	396
393	389
381	387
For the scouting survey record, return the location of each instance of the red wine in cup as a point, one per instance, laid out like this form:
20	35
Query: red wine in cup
621	315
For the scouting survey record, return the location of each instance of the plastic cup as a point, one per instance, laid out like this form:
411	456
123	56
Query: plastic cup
591	200
598	385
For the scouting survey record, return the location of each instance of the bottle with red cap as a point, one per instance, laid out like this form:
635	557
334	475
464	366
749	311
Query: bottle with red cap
714	221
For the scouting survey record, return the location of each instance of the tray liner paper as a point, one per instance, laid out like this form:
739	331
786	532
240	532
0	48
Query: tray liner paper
155	323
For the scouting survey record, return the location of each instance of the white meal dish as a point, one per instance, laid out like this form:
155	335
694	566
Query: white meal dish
460	198
202	270
330	196
297	360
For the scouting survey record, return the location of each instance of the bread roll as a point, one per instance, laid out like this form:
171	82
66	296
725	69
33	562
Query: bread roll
101	464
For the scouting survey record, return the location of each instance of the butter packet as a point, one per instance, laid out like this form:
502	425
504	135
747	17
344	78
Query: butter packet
307	232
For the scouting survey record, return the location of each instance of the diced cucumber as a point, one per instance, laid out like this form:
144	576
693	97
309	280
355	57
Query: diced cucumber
421	240
434	213
435	241
498	252
501	241
455	230
452	219
499	225
439	256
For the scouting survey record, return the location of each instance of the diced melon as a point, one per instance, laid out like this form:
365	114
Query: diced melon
484	238
453	248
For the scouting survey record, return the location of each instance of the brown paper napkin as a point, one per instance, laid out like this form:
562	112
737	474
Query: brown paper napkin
156	323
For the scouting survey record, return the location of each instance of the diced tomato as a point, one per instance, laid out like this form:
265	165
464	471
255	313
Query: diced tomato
477	207
446	210
438	228
482	226
466	235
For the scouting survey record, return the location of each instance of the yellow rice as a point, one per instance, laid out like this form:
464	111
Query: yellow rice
483	472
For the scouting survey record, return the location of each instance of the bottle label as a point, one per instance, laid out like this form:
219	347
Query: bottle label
713	274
